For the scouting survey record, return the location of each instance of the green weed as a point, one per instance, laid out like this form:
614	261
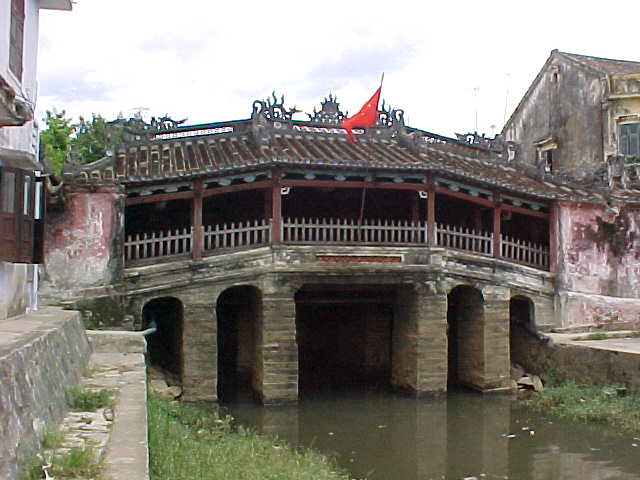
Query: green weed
595	404
187	442
73	464
596	336
84	400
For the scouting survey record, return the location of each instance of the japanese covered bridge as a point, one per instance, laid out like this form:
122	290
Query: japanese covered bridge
277	256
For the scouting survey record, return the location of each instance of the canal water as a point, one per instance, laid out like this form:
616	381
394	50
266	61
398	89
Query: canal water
381	435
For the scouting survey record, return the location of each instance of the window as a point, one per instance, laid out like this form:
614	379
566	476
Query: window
547	158
629	138
21	224
16	37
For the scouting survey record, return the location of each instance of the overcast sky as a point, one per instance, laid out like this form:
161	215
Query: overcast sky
208	60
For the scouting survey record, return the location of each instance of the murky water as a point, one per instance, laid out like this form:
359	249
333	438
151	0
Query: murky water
385	436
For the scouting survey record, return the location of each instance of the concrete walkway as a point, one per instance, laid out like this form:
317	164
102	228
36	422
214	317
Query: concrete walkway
119	359
616	341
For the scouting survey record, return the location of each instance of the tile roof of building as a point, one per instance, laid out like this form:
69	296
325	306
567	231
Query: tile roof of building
605	65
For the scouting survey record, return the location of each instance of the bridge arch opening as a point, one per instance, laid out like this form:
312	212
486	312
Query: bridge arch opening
238	311
165	345
344	335
465	336
521	328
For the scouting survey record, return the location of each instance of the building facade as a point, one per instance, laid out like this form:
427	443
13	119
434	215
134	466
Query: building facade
21	179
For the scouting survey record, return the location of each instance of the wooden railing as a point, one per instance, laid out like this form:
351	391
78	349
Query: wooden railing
348	232
332	231
459	238
157	244
521	251
234	235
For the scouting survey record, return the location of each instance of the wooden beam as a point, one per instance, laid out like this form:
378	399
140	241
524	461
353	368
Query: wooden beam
162	197
524	211
276	208
350	184
196	220
553	237
261	185
497	226
465	196
159	197
431	213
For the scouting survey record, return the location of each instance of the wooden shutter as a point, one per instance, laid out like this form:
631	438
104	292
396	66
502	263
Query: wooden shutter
16	37
8	222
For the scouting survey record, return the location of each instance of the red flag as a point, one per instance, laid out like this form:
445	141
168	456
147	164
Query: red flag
366	117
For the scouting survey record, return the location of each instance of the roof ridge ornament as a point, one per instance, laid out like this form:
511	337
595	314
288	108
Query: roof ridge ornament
330	113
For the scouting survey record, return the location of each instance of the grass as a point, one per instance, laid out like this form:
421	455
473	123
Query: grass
186	442
596	336
82	399
70	464
593	404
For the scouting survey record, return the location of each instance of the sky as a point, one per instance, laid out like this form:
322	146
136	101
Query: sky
452	67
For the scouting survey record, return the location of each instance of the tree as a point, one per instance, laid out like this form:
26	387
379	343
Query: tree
90	141
55	140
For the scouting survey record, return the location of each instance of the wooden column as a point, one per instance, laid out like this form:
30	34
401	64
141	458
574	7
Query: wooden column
276	209
196	220
431	213
497	225
553	237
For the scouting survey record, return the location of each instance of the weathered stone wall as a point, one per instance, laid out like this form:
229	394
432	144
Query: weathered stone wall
598	268
41	354
570	361
277	347
84	243
565	104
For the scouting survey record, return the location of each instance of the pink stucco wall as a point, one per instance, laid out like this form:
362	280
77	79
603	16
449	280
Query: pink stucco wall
80	243
599	263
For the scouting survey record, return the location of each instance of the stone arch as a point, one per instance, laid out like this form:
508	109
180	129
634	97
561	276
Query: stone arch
466	345
239	327
165	314
344	335
521	328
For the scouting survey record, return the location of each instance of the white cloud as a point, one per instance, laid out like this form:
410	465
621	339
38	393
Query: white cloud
209	60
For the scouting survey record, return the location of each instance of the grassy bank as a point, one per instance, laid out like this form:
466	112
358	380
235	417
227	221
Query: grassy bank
187	442
594	404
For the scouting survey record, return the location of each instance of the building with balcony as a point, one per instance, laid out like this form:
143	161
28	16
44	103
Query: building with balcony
21	179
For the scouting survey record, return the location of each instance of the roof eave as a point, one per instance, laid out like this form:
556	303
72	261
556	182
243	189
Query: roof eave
56	4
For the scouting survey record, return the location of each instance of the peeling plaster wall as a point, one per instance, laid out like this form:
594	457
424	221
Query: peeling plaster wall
599	265
83	245
569	110
14	293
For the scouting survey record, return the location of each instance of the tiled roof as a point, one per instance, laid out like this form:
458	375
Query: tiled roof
165	156
605	65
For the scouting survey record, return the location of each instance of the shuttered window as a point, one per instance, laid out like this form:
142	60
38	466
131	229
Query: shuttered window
629	139
21	218
16	37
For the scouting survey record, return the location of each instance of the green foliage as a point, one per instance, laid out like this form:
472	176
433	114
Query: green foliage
55	140
76	463
596	404
90	141
596	336
52	437
186	442
85	400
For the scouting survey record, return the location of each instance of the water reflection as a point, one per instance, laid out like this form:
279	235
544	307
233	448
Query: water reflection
383	436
